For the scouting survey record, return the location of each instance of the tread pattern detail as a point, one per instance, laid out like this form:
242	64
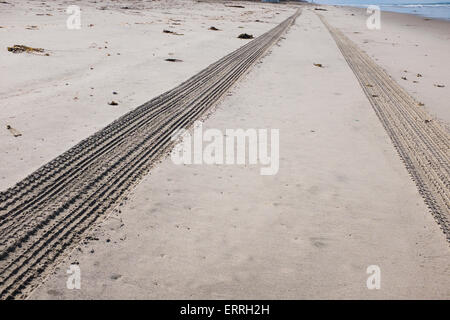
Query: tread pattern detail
45	215
422	143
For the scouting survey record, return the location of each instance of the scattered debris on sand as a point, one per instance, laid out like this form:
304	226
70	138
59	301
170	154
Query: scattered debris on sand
115	276
213	28
13	131
172	32
419	75
439	85
320	9
318	65
421	104
245	36
404	78
113	103
173	60
32	27
235	6
21	48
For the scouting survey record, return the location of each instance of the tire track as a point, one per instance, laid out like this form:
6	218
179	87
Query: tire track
15	216
30	184
423	145
46	214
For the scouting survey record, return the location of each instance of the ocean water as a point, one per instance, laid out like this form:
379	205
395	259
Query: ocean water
430	9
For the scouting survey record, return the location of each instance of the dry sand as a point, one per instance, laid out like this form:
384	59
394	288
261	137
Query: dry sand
55	101
341	201
405	46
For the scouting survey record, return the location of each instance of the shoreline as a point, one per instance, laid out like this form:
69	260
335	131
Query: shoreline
383	9
342	199
407	45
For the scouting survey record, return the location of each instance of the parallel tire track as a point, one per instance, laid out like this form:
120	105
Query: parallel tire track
423	144
45	215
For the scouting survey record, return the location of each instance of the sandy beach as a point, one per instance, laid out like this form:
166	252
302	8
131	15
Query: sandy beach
344	197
